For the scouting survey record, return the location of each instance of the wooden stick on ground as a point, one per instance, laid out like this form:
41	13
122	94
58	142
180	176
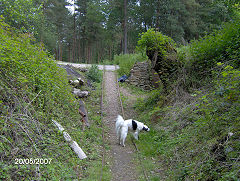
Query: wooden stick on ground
73	144
83	112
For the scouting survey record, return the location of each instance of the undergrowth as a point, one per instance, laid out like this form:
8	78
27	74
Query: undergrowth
200	57
33	92
197	139
94	74
127	61
195	129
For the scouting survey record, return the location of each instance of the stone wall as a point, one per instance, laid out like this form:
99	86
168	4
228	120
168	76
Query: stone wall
140	75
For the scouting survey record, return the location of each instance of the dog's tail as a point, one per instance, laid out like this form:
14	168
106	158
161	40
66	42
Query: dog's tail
119	122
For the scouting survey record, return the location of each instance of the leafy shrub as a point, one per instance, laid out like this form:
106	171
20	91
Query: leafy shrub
127	61
155	41
94	74
222	45
29	71
201	139
33	91
20	14
107	62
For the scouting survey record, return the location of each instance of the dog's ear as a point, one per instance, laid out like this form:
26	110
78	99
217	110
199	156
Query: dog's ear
134	125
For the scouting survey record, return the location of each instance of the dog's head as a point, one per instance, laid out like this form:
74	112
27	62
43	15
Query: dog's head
145	128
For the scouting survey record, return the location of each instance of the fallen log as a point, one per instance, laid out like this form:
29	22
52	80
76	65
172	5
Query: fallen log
73	144
82	111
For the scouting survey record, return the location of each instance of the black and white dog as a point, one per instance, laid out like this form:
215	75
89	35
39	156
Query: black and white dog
122	128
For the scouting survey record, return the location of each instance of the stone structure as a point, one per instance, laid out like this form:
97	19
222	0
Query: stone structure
140	75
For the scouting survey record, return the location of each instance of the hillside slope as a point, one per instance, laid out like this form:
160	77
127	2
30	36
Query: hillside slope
33	92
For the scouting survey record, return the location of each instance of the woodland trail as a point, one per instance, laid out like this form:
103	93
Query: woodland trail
101	67
123	167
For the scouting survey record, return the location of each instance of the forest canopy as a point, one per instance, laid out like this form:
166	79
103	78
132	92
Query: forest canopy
93	31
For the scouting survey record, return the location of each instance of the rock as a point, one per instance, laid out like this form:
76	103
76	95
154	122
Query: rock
140	75
80	93
83	112
77	83
81	69
81	81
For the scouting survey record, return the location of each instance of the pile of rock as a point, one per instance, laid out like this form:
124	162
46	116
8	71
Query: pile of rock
77	84
140	75
79	93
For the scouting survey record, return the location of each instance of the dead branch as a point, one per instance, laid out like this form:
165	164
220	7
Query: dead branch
73	144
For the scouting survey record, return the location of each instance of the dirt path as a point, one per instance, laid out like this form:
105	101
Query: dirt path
123	168
77	65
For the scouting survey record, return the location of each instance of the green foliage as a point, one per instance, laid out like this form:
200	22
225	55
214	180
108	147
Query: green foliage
33	91
107	62
153	97
200	58
126	62
155	41
222	45
228	82
29	71
198	140
94	74
21	14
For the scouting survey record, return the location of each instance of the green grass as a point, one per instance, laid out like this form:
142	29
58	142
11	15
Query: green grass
189	138
186	139
127	61
33	92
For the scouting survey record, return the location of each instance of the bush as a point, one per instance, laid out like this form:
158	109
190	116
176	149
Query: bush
94	74
127	61
222	45
35	73
33	91
155	41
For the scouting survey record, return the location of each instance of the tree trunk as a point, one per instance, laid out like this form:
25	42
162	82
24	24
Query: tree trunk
60	51
79	51
125	26
74	33
69	53
158	15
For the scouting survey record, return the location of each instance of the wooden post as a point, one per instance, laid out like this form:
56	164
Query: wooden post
73	144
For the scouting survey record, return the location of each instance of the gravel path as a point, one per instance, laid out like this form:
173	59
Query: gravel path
77	65
123	165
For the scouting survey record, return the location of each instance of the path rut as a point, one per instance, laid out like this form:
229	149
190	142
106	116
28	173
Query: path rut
123	168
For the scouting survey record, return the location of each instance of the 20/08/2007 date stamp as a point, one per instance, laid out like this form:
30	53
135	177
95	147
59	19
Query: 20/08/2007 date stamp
32	161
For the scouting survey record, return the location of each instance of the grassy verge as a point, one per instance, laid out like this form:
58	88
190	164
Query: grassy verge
194	139
33	92
195	125
127	61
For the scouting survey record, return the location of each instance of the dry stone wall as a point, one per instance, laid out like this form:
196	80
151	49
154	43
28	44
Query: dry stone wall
140	75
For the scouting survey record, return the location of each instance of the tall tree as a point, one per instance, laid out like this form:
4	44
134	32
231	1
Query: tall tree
98	29
125	26
57	13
